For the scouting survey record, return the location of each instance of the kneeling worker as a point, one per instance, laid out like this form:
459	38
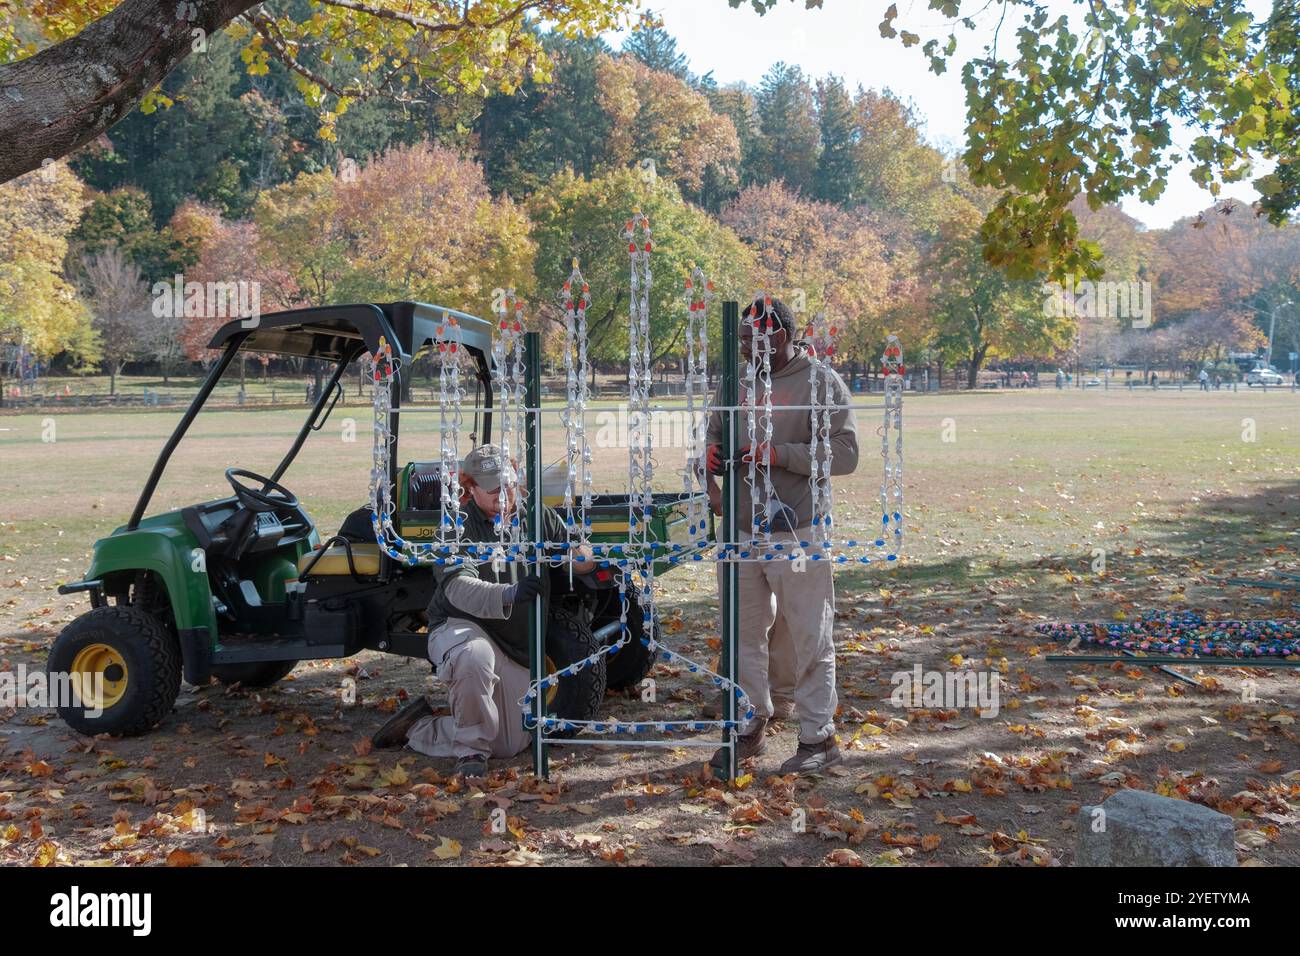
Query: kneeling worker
478	633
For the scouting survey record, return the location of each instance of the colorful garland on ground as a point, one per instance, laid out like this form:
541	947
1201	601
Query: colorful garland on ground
1186	632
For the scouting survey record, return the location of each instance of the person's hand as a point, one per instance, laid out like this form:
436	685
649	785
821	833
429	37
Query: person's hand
766	454
582	557
713	460
525	591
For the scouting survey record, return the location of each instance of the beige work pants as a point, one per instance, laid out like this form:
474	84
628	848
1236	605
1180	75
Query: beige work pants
786	639
484	686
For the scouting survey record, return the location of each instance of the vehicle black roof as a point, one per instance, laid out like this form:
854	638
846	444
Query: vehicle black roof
333	332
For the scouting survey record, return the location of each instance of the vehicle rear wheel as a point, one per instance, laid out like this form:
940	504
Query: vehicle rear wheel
577	696
253	674
628	666
122	660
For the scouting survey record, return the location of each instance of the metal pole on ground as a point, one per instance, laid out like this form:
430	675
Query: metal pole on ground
534	527
731	570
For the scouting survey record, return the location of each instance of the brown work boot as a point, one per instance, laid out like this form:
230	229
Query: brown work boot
393	733
747	745
813	758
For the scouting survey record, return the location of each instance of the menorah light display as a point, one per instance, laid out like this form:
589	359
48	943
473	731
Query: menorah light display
747	413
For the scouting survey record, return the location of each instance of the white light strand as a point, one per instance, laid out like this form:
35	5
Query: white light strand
449	347
508	377
640	434
698	297
821	346
758	420
744	706
891	491
577	374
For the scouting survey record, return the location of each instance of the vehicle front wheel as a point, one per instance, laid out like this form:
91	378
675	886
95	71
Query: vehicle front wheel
254	674
124	670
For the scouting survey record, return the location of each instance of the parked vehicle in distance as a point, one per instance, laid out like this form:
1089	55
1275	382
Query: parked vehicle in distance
1265	375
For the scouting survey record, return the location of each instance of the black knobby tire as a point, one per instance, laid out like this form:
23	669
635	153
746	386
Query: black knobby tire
568	639
254	673
628	666
152	669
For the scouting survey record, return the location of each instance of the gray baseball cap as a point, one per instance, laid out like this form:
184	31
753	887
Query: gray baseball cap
489	466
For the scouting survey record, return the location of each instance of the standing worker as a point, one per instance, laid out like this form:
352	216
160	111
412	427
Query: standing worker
804	600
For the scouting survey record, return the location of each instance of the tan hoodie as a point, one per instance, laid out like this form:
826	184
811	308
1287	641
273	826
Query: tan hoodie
792	436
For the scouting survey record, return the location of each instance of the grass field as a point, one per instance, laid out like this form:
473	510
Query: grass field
1012	499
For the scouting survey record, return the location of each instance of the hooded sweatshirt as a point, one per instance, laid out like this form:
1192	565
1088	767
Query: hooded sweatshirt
792	436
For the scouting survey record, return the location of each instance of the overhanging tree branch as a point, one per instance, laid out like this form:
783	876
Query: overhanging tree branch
63	97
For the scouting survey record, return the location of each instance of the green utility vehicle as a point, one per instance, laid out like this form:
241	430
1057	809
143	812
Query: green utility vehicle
241	588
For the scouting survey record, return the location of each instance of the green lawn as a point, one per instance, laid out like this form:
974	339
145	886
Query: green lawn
1005	522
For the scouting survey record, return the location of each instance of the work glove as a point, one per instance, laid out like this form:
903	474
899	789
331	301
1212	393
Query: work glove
525	591
713	460
766	454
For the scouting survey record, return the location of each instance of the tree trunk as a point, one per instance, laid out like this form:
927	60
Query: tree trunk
66	95
973	372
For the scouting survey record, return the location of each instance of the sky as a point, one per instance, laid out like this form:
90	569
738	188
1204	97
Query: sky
738	45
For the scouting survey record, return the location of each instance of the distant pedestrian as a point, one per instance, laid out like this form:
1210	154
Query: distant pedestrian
1204	379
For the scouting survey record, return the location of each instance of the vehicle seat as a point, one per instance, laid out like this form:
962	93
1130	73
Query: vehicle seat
365	558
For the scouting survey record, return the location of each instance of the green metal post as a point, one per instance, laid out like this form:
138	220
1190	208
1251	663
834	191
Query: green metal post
534	527
731	570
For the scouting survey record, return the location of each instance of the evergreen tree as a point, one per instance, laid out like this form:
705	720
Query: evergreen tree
655	47
527	137
787	120
837	172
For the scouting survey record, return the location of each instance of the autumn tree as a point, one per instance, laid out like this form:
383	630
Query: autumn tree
38	307
979	311
584	218
664	127
76	68
817	257
420	223
1085	105
300	234
230	251
1229	264
123	219
897	170
119	301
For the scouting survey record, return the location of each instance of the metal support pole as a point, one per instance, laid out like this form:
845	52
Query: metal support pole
533	527
731	570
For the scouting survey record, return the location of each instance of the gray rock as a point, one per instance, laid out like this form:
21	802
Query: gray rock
1136	828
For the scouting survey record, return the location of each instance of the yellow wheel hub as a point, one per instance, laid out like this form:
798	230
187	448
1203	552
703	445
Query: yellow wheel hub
554	688
99	673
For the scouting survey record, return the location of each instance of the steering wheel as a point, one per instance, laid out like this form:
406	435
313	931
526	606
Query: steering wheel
273	496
